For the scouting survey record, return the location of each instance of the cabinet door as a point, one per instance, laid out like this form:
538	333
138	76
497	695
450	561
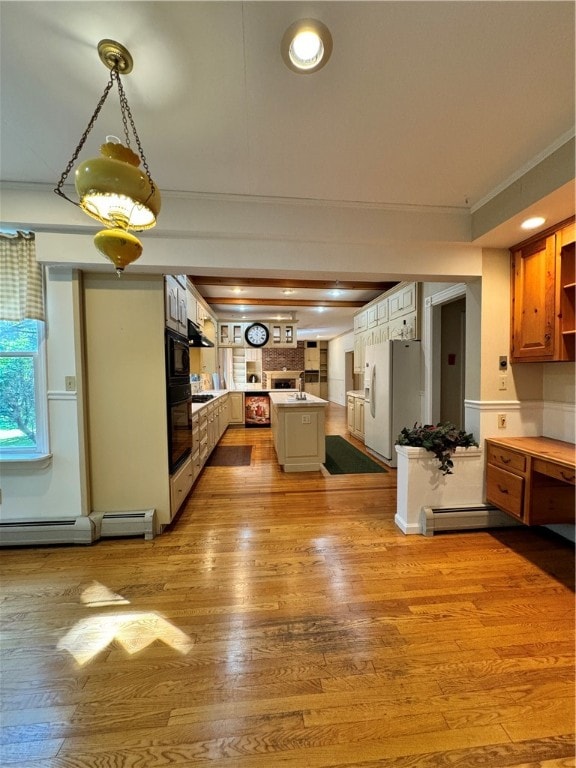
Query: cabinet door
372	317
182	311
361	321
533	316
383	311
236	408
359	417
567	302
350	416
171	307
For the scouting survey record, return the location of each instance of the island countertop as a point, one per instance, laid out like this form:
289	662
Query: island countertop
287	399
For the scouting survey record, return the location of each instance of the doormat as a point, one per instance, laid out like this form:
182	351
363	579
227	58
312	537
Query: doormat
342	458
230	456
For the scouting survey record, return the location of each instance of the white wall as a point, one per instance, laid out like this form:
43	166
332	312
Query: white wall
337	349
60	489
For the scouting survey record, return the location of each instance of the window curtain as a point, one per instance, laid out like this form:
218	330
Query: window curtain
21	285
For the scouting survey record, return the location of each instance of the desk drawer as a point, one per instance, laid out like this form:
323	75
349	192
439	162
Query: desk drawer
557	471
505	490
506	459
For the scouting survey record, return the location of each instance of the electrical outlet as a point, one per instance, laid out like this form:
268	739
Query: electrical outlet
70	383
306	419
501	421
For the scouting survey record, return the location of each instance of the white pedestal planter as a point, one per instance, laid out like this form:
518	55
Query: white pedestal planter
421	484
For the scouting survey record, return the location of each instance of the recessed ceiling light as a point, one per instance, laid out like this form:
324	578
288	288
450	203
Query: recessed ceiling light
306	46
288	291
237	290
335	292
533	222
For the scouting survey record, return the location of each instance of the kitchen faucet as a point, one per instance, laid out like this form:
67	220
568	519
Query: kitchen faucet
301	394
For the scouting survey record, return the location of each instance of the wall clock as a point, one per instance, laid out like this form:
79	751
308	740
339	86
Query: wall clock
256	335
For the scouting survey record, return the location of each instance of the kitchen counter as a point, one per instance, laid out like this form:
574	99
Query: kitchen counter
356	393
286	398
298	431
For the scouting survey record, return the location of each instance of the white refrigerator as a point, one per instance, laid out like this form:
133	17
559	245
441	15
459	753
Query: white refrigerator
391	395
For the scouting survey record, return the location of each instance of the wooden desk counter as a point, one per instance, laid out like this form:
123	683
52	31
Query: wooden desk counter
532	478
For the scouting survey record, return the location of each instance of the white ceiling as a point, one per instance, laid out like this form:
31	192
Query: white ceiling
429	104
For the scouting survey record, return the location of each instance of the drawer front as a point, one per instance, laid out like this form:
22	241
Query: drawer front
506	459
180	485
558	472
505	490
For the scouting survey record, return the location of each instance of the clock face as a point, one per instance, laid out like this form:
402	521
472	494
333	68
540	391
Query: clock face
256	335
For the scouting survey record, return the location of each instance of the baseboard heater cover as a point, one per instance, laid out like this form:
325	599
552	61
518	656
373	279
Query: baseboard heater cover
131	523
463	518
78	530
75	530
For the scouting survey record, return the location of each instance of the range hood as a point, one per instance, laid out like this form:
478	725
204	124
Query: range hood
196	338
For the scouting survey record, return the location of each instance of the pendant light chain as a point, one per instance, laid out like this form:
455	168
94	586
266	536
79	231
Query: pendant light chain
127	115
82	141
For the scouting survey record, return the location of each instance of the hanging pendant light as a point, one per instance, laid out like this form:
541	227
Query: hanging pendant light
112	188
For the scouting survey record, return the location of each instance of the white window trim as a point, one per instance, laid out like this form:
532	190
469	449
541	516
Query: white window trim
23	458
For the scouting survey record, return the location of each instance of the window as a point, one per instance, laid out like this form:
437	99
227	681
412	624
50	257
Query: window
23	421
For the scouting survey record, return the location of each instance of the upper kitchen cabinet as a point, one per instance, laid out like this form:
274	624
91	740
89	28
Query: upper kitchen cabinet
282	335
231	334
542	322
176	304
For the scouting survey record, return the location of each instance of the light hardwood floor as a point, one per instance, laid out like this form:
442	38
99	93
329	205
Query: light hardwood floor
284	621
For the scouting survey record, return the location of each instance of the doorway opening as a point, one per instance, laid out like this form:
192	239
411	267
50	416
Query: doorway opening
444	341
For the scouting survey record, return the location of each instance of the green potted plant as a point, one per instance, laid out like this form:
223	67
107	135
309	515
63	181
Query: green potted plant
441	439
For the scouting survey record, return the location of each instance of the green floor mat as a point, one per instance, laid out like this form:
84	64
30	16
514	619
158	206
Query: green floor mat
342	458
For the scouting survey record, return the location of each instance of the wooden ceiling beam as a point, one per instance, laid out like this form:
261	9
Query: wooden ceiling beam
266	282
280	302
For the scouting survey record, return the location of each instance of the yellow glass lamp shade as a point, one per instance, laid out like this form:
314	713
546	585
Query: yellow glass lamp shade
115	191
121	247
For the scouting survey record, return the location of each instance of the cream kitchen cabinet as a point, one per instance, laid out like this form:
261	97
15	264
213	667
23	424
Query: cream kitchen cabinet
175	304
355	414
231	334
372	316
403	327
382	310
236	409
394	315
180	484
282	335
360	321
312	356
403	301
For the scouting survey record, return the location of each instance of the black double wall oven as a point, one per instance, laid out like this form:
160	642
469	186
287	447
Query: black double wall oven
178	398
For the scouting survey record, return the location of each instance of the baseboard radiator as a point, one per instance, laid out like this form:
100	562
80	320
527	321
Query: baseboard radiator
78	530
463	518
133	523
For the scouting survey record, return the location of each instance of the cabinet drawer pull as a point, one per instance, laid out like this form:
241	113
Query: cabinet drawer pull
502	490
568	478
504	460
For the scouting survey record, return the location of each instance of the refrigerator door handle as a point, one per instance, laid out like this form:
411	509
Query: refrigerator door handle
373	393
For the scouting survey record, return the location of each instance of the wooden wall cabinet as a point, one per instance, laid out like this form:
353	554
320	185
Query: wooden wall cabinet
542	322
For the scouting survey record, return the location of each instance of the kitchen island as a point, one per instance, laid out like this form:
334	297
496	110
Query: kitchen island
298	430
